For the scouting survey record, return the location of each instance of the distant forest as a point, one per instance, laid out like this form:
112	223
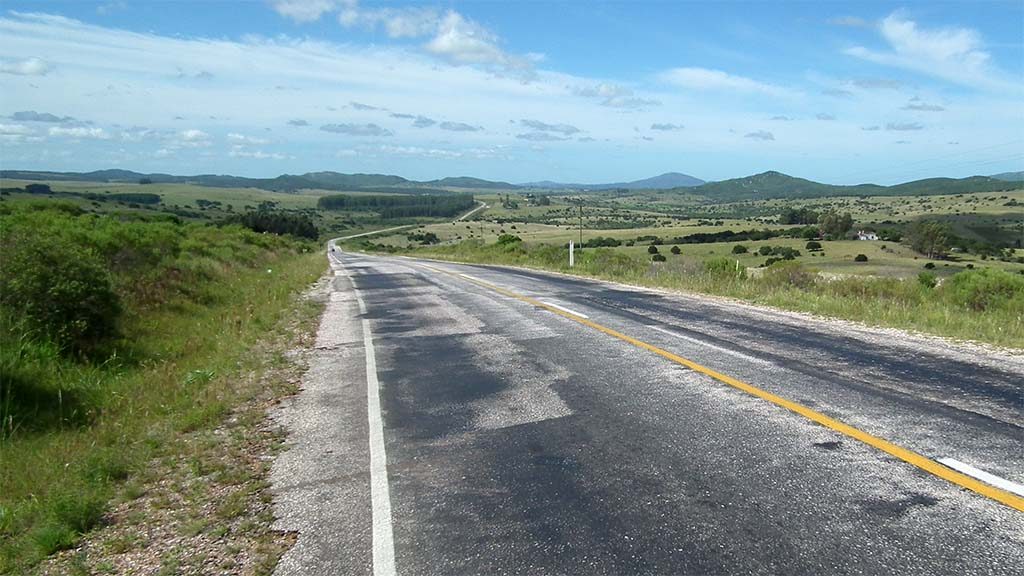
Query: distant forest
399	206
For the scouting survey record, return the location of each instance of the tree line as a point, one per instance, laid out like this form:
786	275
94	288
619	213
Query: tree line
400	206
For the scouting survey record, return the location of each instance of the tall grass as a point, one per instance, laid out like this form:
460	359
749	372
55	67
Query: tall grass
985	305
78	419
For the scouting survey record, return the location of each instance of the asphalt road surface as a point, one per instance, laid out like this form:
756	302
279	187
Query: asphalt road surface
484	420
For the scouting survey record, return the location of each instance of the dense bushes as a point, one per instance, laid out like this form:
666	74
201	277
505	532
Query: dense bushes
400	205
986	289
299	225
69	278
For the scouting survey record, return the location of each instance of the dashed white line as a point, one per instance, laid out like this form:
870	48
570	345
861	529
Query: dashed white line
380	493
998	482
747	357
563	309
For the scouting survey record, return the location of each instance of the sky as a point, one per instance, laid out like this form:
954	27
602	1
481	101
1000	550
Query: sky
570	91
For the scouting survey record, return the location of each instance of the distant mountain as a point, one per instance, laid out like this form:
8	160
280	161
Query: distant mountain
663	182
770	185
283	183
469	182
1009	176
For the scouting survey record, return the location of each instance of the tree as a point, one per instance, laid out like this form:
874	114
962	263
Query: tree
835	225
929	238
675	250
652	249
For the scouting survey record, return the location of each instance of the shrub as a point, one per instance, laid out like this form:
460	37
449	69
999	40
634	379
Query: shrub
929	265
658	258
62	296
764	250
860	258
927	279
652	249
724	268
739	249
675	250
787	273
813	245
506	239
986	289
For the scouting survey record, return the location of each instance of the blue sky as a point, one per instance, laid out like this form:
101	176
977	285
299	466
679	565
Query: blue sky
841	92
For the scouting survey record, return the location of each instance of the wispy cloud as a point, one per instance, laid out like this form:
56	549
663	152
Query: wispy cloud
918	105
614	96
33	116
79	132
904	126
297	122
760	135
565	129
25	67
243	139
952	54
371	130
850	21
459	127
666	127
540	137
825	116
707	79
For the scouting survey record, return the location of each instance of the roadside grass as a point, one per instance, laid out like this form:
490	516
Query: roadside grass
984	305
170	373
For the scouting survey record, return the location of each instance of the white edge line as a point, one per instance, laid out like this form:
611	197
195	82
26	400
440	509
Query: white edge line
710	345
563	309
380	493
1001	483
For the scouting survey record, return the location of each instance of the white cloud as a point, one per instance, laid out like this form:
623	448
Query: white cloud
952	54
243	139
537	125
458	127
707	79
15	130
79	132
463	41
241	152
666	127
614	96
760	135
303	10
357	129
24	67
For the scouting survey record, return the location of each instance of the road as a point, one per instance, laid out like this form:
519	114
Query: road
484	420
482	206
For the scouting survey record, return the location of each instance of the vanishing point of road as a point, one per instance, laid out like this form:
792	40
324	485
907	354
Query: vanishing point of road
463	419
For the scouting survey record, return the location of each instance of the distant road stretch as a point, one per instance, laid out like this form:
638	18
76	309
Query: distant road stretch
465	419
482	206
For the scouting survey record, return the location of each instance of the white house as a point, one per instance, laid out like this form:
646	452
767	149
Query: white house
865	235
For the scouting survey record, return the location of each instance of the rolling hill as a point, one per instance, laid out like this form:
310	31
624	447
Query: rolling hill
772	185
664	181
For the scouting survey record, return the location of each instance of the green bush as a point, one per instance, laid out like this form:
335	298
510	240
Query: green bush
658	258
764	250
739	249
787	273
813	245
724	268
929	266
860	258
652	249
675	250
60	292
927	279
986	289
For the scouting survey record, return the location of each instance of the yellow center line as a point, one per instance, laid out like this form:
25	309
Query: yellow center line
909	456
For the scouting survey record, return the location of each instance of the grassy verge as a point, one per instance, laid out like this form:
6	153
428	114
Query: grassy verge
92	420
985	305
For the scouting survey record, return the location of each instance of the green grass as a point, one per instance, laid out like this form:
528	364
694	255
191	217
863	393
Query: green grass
177	358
